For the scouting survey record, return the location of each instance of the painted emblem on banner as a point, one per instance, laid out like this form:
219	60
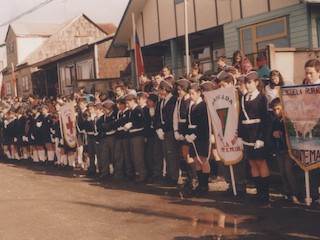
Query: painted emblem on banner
68	124
223	107
302	122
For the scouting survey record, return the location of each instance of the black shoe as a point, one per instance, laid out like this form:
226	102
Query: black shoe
91	174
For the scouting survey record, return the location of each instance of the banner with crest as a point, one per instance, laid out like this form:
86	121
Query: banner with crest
223	107
302	123
68	124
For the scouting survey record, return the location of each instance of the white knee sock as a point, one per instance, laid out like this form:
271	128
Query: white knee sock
42	155
72	160
64	159
50	155
35	156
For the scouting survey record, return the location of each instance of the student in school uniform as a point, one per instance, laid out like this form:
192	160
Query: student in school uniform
46	133
135	127
154	154
8	134
109	131
22	140
142	98
91	139
170	146
180	127
252	130
198	137
38	150
226	80
123	166
100	143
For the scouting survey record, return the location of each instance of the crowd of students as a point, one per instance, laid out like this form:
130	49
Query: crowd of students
146	135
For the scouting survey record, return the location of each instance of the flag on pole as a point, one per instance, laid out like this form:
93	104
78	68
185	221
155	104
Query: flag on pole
2	87
14	81
138	56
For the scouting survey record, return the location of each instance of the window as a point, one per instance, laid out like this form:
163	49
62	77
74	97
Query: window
201	56
11	48
256	37
85	69
25	84
67	75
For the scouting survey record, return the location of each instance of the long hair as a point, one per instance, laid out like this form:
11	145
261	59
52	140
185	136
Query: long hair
275	73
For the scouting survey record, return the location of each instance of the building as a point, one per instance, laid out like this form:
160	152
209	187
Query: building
21	40
72	56
215	28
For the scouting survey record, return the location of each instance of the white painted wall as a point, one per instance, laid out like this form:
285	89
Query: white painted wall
26	45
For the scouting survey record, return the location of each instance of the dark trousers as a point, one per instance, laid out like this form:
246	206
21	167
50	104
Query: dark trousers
170	148
105	153
122	159
92	148
154	156
289	178
137	155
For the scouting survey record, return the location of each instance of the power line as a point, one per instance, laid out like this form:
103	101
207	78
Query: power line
26	12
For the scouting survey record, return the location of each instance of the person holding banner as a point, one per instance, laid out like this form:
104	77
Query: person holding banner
226	80
252	130
290	182
312	74
198	137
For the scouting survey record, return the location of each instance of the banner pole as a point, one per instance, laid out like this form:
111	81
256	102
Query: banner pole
306	176
233	181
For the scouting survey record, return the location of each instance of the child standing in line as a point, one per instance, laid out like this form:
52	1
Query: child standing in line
286	164
198	137
252	129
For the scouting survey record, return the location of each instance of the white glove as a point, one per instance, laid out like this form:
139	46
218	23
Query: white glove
177	135
24	138
128	125
61	141
191	138
258	144
240	143
160	133
39	124
181	137
15	139
32	137
212	139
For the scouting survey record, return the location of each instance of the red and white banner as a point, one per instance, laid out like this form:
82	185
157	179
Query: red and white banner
68	122
138	56
223	107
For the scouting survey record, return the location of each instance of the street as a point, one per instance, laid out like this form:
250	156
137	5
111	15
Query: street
38	202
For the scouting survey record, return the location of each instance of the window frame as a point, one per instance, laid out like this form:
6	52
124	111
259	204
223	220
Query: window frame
256	40
25	84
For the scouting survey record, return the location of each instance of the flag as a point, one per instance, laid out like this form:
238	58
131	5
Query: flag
302	123
223	108
138	56
14	81
68	124
2	86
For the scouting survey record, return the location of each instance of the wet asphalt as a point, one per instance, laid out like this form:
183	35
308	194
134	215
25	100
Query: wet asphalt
43	202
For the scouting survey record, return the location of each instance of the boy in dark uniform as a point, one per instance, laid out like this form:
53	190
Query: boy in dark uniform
123	168
165	131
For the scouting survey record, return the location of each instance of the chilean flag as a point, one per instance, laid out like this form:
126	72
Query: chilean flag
138	57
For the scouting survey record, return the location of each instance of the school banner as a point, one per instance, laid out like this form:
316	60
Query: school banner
301	106
68	124
223	107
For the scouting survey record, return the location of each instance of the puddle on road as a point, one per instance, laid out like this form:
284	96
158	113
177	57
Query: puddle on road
218	225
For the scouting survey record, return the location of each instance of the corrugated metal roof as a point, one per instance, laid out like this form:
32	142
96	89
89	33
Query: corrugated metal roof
34	29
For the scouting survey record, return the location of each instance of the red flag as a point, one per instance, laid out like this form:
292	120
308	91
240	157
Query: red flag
138	57
2	91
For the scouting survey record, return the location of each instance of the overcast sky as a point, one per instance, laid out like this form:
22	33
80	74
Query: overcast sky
58	11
